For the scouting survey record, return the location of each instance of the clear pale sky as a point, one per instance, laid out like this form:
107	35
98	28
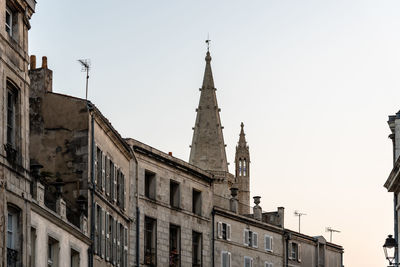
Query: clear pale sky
313	82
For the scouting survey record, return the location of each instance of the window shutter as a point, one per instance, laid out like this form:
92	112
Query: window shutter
103	171
111	180
102	233
115	184
123	192
106	228
95	229
290	251
270	244
229	259
95	164
125	247
219	229
228	232
251	262
299	252
107	176
118	243
255	240
246	237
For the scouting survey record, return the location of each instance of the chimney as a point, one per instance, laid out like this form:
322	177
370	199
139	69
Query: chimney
41	78
257	211
233	202
170	153
281	214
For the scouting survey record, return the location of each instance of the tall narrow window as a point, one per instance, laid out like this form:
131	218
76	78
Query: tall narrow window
174	246
75	259
225	259
9	21
52	252
196	249
268	243
240	167
196	205
112	170
248	261
33	246
107	170
99	168
150	242
174	194
12	100
244	168
13	244
150	184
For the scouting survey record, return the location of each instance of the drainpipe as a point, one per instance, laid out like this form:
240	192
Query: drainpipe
213	238
92	186
396	223
137	213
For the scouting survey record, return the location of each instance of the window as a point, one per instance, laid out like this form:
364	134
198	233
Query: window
250	238
225	259
74	258
13	233
174	245
150	184
12	121
107	170
248	261
294	252
224	231
268	264
196	205
9	21
196	249
52	252
174	194
240	167
33	246
268	243
150	242
125	244
99	237
121	189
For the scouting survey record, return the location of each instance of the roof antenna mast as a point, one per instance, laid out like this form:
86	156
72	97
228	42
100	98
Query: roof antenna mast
331	230
299	214
85	68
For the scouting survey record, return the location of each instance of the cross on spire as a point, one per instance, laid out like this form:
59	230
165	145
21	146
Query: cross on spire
208	43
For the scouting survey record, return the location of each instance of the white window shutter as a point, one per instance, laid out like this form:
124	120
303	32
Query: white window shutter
102	233
229	259
103	171
228	232
107	225
251	262
255	240
270	244
95	164
219	229
299	252
95	228
246	237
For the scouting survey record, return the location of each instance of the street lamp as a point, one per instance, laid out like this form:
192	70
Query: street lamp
389	248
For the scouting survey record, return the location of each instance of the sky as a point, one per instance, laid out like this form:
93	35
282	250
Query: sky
313	82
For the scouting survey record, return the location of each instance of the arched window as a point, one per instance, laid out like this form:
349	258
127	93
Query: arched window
244	167
240	167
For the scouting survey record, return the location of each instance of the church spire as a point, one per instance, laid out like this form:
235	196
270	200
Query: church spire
242	139
242	172
208	147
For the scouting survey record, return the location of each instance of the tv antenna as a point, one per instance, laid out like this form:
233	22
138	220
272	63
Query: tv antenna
299	214
331	230
85	68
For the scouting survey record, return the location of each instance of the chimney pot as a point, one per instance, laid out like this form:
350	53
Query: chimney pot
44	62
170	153
33	62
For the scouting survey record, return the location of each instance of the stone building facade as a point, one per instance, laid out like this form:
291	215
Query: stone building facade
15	196
79	149
175	201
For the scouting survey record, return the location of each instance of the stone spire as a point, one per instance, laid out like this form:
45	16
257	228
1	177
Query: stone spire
242	172
208	147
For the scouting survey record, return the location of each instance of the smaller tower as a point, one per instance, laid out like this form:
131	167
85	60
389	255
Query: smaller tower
242	172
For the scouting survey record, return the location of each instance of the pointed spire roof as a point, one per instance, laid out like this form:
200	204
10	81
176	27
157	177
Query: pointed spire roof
208	146
242	137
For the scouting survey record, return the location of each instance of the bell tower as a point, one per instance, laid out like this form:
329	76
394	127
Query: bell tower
242	172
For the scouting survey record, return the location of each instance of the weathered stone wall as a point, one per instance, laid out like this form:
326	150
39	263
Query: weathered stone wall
48	224
165	215
239	250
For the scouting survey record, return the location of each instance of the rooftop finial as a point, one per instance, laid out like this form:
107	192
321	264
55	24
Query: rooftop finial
208	42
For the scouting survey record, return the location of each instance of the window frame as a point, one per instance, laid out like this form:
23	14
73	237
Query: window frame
270	238
247	258
229	258
174	194
197	202
150	184
9	25
199	236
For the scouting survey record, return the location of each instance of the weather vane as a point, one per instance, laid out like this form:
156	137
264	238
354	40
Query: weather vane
208	42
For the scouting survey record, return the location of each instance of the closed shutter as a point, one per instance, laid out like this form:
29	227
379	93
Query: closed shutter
123	191
115	183
290	251
103	243
219	229
113	240
103	171
95	164
112	170
255	240
99	168
95	229
106	229
107	169
226	259
118	243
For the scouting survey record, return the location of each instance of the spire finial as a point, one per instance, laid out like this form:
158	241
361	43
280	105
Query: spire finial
208	42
